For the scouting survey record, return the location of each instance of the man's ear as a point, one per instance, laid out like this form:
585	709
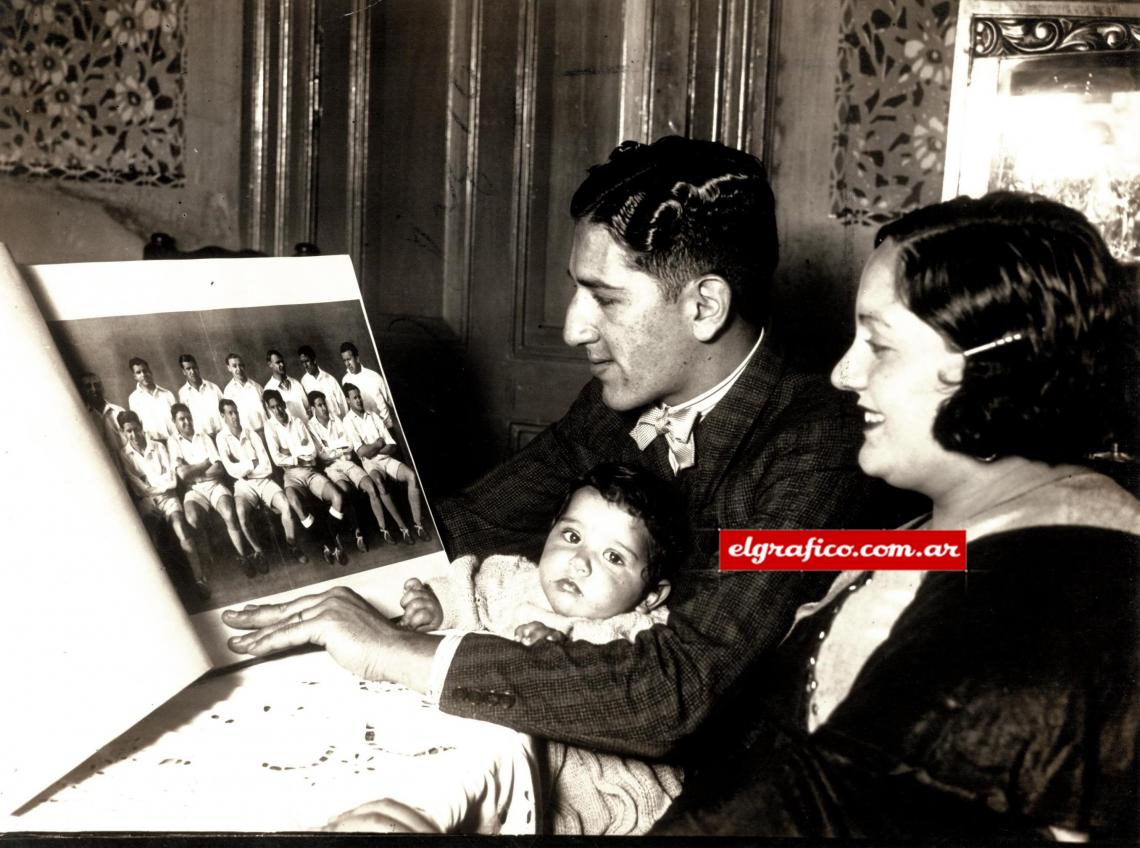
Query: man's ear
710	304
655	597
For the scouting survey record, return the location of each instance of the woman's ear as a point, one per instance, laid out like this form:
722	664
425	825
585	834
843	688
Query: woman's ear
655	597
710	300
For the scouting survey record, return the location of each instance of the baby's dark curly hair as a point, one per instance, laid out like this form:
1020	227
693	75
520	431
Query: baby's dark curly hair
980	270
643	495
684	208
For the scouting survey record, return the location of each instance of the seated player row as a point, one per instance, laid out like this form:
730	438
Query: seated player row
317	456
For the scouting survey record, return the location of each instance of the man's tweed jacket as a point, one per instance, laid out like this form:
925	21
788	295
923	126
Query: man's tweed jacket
778	451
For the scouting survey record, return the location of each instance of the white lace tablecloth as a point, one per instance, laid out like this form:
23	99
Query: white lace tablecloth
285	746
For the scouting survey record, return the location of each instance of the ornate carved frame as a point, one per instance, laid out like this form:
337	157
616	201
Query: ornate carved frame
992	31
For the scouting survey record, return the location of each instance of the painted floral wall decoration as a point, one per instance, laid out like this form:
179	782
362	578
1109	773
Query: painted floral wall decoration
93	90
892	101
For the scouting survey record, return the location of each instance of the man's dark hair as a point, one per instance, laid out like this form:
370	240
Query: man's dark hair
223	403
643	495
271	352
315	395
305	350
186	359
272	393
175	408
684	208
128	416
349	347
981	270
137	360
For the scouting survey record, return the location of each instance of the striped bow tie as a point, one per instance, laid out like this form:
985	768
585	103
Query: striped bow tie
676	427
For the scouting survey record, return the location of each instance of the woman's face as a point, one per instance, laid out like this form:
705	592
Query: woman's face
902	370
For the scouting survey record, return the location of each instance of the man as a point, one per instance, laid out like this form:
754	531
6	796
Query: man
199	468
104	414
375	447
673	255
151	402
335	450
246	393
371	384
201	396
151	477
245	459
291	391
316	379
293	449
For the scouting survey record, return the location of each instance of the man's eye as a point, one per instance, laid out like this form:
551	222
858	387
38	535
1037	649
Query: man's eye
613	558
571	537
603	301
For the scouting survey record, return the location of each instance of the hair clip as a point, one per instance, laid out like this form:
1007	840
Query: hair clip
625	147
1004	340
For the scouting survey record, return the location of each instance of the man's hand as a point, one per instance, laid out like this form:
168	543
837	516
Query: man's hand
422	610
384	816
536	631
357	635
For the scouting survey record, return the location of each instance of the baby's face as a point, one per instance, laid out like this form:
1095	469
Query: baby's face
594	562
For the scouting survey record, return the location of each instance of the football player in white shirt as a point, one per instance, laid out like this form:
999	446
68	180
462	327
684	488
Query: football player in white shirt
293	448
104	414
246	393
245	459
151	477
198	466
151	402
371	384
201	396
291	391
335	449
375	446
316	379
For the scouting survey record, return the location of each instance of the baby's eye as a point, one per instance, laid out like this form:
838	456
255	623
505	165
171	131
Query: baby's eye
613	558
570	536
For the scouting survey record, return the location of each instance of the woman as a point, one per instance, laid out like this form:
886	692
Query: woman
993	339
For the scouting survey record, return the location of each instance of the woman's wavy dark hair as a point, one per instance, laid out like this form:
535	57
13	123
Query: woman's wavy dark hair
979	270
643	495
684	208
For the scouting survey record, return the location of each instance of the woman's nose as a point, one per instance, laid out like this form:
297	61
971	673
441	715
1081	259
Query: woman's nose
847	375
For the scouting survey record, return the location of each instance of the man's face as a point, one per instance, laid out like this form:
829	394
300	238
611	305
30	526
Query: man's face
308	364
355	401
92	389
351	362
277	366
184	423
236	367
639	344
232	418
142	375
136	438
192	374
322	410
277	409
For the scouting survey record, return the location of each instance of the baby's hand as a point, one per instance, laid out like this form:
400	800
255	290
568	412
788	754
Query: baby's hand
422	610
536	631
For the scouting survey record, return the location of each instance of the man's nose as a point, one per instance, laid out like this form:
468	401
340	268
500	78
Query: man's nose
578	328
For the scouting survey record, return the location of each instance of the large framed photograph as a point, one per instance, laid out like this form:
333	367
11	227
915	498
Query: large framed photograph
231	365
1046	98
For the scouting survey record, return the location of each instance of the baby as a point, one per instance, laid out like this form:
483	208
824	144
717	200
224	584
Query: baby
601	577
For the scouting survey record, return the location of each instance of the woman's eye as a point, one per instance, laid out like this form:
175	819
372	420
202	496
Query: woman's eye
571	537
614	558
877	348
